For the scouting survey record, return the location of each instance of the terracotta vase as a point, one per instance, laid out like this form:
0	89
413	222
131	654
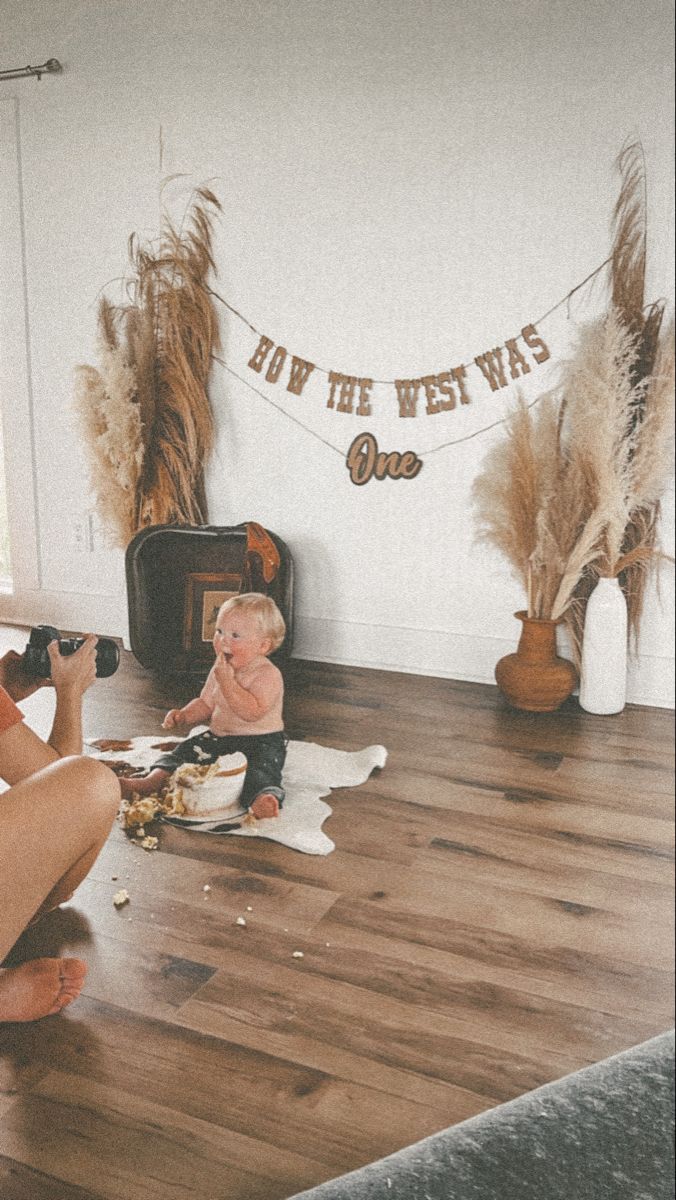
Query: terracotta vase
535	678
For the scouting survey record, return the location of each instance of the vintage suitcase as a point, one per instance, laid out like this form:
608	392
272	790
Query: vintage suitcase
179	575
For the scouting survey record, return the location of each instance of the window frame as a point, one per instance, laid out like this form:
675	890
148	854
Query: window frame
16	396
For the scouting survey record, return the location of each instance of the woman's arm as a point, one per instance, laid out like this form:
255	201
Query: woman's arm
22	752
71	676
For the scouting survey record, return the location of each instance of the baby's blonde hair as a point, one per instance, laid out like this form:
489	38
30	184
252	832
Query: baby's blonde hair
264	609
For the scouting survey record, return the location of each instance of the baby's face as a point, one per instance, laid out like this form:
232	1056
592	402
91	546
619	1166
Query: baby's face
239	637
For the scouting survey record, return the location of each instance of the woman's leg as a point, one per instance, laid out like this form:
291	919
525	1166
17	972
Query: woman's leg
52	827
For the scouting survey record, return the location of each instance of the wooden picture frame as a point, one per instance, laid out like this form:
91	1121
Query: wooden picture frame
205	592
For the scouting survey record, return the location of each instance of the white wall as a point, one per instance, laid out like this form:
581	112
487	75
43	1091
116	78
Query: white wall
404	185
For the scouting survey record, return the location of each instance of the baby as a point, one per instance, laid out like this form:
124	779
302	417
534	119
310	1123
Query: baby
242	702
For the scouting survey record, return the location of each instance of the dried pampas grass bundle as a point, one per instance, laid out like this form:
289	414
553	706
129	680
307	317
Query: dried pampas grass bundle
110	423
511	492
551	537
650	468
649	446
654	450
598	400
573	493
628	260
148	405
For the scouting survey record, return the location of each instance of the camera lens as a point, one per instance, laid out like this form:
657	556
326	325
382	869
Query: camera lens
107	658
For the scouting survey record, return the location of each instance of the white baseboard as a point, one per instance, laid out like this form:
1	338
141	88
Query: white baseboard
469	657
97	612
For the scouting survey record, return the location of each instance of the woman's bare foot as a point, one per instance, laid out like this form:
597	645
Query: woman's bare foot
144	785
265	806
40	988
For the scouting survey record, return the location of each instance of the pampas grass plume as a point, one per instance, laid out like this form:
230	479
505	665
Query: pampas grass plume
146	416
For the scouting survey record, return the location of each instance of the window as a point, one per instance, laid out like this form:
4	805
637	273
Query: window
5	564
18	525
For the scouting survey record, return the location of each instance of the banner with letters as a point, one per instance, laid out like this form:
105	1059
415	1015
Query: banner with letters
281	372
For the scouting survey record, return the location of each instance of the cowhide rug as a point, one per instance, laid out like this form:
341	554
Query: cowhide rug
310	772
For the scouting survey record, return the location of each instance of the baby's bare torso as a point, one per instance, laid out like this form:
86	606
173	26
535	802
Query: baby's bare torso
264	680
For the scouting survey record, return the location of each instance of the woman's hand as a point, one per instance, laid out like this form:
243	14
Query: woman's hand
73	672
14	679
173	718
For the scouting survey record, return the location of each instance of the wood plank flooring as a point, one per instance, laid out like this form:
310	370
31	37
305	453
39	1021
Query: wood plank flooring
496	914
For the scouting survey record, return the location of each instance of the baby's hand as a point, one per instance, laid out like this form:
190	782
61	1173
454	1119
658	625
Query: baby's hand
224	670
265	806
173	718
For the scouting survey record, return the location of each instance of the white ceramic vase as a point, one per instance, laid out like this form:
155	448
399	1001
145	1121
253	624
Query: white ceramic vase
603	675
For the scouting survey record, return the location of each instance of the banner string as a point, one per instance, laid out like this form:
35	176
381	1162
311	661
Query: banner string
277	406
468	436
559	304
424	453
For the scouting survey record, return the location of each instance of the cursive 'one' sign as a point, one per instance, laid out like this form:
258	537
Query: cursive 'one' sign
364	461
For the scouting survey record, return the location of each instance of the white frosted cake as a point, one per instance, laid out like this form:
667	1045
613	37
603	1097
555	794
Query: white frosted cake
212	791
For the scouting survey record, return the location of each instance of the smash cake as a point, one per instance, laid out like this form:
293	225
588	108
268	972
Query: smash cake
209	792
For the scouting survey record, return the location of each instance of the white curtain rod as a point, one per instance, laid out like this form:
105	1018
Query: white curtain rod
51	67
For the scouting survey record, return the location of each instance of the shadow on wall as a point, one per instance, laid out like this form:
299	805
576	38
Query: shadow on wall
313	560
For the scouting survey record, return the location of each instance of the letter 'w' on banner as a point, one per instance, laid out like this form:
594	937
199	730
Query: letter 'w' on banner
299	373
490	365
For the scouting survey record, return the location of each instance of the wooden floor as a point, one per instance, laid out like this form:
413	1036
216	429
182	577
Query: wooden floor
496	914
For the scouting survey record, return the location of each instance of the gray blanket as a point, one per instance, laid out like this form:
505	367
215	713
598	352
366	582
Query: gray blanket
603	1133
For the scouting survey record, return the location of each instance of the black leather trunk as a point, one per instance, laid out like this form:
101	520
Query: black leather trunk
177	575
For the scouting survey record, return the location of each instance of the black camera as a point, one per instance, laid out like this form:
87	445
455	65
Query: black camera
36	660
